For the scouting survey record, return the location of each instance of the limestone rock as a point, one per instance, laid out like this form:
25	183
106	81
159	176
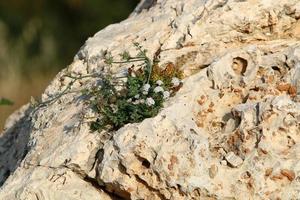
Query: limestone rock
239	106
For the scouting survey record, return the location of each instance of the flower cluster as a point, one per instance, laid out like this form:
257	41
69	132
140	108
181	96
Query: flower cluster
150	93
140	97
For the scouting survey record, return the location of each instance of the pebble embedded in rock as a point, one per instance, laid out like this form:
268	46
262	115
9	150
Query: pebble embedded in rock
213	170
223	162
233	159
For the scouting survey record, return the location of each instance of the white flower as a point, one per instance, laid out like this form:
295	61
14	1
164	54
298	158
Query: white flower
166	94
150	101
175	81
159	82
139	101
129	100
158	89
137	96
142	101
146	87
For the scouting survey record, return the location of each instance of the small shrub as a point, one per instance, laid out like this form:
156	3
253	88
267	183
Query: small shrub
130	98
141	95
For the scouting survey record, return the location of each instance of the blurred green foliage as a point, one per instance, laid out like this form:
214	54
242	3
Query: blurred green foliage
40	37
45	34
5	102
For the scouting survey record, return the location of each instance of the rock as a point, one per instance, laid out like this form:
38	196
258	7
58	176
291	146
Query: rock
239	101
233	160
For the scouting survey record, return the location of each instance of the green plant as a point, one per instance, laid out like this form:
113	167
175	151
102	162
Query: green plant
119	102
129	98
5	102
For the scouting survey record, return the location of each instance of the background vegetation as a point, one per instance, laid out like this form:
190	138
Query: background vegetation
40	37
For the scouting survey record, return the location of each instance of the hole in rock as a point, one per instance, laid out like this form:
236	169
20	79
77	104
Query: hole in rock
146	163
231	125
239	65
122	168
275	68
100	155
278	71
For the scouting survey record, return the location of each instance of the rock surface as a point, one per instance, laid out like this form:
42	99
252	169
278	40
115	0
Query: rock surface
231	132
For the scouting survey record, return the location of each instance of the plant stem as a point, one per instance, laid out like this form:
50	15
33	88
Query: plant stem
149	66
121	62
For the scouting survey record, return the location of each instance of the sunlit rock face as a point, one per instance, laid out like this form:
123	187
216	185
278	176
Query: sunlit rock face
231	132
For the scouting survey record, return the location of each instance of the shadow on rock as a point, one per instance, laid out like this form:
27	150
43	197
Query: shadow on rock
13	142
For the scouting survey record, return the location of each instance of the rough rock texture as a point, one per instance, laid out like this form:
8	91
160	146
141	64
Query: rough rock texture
231	132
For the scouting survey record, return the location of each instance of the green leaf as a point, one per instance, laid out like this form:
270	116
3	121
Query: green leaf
5	102
125	56
133	85
108	59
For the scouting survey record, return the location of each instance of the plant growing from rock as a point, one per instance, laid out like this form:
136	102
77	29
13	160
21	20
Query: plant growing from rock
137	95
131	97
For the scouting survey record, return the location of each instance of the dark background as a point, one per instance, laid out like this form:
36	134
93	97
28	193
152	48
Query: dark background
40	37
